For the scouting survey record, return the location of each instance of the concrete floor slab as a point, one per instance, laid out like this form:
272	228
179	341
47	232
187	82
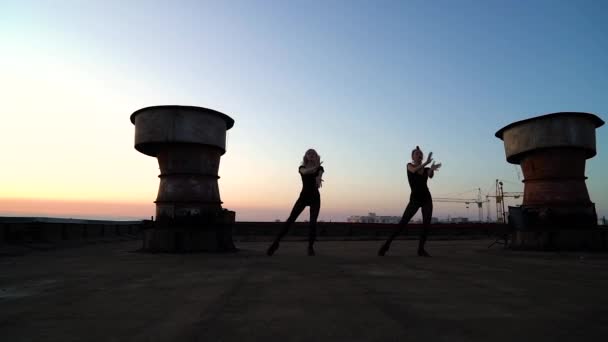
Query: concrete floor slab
466	292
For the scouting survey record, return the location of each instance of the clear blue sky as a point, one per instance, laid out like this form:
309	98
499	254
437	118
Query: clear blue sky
363	82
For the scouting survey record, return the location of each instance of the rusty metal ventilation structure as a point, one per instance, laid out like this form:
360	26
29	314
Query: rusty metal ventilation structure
552	151
188	143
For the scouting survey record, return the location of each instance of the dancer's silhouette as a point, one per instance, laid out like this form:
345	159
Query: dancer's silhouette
420	197
311	172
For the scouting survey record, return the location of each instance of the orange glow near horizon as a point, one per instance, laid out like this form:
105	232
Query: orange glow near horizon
72	208
138	210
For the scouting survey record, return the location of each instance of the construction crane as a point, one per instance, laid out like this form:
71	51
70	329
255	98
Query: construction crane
467	201
500	201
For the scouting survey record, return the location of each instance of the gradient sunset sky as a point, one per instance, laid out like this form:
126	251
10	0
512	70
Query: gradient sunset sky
363	82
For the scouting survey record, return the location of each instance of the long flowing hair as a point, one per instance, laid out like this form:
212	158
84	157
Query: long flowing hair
304	159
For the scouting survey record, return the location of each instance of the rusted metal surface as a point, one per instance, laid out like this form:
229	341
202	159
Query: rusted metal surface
556	130
156	126
555	176
188	180
188	143
552	150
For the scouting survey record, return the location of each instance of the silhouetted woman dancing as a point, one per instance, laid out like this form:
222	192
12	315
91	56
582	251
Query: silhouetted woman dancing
311	172
417	175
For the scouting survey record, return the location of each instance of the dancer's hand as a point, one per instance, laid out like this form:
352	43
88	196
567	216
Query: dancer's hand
435	167
429	159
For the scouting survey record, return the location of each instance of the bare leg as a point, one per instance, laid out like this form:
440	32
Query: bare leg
409	212
298	207
427	213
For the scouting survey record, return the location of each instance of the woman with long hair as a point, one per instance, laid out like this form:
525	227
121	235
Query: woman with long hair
311	172
420	197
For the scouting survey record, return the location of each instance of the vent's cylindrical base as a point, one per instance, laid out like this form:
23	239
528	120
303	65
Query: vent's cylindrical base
175	237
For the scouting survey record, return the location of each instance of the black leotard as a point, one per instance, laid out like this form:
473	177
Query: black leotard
309	184
420	191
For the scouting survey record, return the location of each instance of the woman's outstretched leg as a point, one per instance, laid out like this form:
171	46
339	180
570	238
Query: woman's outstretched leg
312	233
409	212
427	213
298	207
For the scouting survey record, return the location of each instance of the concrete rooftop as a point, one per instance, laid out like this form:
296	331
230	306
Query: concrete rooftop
466	292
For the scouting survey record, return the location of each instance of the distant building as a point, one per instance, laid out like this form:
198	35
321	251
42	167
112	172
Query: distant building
373	218
459	220
353	219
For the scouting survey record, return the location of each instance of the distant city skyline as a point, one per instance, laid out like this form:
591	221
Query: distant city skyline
138	211
361	82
